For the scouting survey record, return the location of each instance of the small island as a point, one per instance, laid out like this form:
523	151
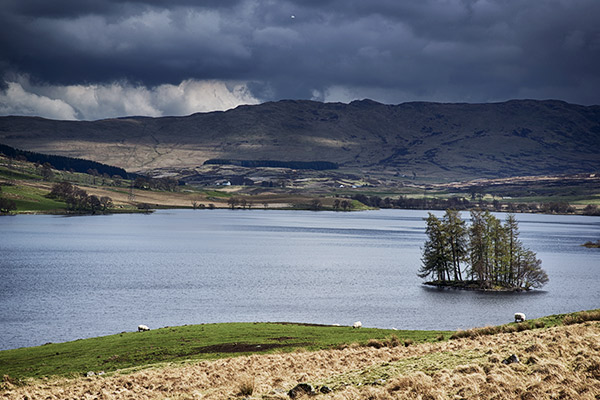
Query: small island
592	245
493	257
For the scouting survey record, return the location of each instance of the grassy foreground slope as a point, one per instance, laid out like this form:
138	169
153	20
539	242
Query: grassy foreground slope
559	357
561	362
190	342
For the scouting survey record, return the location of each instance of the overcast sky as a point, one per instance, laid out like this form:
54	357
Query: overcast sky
92	59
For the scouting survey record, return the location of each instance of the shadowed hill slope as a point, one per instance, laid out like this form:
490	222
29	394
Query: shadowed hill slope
520	137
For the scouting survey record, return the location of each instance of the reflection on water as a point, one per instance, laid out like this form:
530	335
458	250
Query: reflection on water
67	278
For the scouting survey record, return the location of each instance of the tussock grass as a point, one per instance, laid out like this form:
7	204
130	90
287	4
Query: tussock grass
579	317
553	320
391	341
567	365
246	386
562	361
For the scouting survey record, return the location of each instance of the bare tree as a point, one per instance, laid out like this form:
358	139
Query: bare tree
46	172
232	202
346	204
316	204
336	204
106	203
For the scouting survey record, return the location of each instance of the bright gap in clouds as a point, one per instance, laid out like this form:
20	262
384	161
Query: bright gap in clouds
120	99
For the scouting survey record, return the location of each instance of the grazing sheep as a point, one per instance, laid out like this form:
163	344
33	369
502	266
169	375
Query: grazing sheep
357	325
519	317
143	328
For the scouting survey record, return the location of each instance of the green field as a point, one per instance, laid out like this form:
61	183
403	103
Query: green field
133	350
191	342
17	179
29	199
8	173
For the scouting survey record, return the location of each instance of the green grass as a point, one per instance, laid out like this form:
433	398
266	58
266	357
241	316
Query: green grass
358	206
134	350
15	174
30	199
216	194
571	199
191	342
428	363
593	199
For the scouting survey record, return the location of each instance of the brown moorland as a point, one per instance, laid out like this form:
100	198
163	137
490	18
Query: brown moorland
561	362
434	140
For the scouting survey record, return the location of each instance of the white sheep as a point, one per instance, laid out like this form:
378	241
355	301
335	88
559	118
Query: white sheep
519	317
357	325
143	328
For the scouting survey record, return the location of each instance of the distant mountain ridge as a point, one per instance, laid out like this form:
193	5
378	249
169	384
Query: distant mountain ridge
517	137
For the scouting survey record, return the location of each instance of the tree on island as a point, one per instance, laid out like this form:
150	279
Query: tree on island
492	253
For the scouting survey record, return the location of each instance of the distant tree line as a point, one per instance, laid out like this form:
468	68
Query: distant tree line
316	165
241	181
240	202
61	162
146	183
591	209
461	203
488	254
456	203
556	207
343	204
78	200
271	184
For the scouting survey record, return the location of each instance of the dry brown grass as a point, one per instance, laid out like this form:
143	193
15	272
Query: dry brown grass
582	316
121	196
523	326
556	363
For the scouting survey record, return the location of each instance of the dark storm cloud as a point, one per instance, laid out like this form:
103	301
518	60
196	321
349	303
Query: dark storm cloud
74	8
389	50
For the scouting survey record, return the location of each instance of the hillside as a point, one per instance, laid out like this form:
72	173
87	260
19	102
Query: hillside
552	362
513	138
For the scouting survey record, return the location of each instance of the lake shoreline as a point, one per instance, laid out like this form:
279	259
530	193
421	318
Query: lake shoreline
284	208
473	286
592	245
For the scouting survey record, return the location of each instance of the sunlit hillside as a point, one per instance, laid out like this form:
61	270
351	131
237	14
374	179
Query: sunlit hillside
561	362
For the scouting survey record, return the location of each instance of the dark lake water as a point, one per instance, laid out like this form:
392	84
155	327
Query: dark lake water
64	278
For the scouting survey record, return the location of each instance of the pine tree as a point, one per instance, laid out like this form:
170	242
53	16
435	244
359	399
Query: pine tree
494	254
494	247
456	233
436	254
531	273
514	245
478	247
